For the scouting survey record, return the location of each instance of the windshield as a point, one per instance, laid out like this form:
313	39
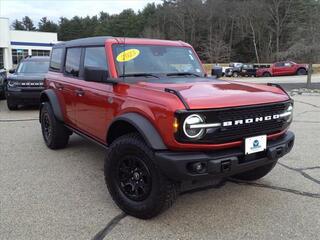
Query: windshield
154	60
33	67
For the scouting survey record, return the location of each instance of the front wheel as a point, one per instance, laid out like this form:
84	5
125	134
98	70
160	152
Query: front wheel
135	183
256	173
235	74
301	71
11	106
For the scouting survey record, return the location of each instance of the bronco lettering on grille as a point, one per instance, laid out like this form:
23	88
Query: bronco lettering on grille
250	120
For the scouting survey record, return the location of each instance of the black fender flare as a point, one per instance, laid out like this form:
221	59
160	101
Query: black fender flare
54	102
144	127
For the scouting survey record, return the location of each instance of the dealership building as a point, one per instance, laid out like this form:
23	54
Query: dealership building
16	44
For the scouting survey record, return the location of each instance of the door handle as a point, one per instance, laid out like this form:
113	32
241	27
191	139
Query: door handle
79	92
59	86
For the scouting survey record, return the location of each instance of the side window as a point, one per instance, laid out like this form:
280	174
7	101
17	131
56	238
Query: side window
55	61
72	65
279	64
95	57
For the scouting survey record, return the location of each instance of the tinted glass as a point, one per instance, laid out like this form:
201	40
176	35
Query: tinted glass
33	67
281	64
73	61
56	55
95	57
18	55
155	59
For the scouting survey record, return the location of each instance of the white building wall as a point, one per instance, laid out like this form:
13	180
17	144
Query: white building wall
29	40
5	42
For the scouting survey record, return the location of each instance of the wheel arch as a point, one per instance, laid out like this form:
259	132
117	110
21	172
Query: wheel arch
50	96
299	68
134	122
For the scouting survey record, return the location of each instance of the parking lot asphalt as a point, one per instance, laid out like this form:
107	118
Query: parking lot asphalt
46	194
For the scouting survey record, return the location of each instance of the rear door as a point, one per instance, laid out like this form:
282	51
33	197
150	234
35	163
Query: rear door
94	99
56	80
69	82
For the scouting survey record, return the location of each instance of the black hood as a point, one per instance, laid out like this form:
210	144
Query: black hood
27	76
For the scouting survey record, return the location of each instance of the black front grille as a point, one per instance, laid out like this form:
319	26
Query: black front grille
238	132
29	84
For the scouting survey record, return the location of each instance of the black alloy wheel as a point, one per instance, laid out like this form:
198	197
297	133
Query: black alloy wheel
46	127
134	178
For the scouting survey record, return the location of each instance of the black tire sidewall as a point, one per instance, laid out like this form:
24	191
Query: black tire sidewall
301	72
46	109
154	200
11	105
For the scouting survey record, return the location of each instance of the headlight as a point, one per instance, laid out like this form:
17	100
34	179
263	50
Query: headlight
288	113
12	83
193	132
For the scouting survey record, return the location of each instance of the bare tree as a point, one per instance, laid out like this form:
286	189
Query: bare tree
279	12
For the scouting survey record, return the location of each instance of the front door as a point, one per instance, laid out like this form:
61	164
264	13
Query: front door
279	69
94	104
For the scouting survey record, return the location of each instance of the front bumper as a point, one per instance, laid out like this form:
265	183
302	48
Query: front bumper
19	96
223	163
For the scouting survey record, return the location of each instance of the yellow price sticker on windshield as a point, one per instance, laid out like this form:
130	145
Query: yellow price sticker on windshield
128	55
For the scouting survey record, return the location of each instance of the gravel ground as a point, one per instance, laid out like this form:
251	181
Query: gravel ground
47	194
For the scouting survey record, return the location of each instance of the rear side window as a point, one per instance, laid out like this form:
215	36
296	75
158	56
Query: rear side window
95	57
72	65
55	62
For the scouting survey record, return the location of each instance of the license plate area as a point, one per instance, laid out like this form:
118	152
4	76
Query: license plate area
255	144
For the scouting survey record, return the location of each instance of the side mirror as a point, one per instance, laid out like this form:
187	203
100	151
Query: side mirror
12	71
94	74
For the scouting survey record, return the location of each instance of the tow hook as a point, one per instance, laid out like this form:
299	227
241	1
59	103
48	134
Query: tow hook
225	166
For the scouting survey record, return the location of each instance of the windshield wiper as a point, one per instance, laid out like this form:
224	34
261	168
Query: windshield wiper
183	74
139	75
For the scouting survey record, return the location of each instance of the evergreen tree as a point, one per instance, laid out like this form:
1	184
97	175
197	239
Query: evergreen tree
28	24
17	25
46	25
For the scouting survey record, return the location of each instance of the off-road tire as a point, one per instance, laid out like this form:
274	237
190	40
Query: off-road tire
256	173
266	74
59	134
301	71
11	106
162	192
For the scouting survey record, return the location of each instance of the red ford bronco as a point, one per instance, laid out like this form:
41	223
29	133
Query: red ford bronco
166	125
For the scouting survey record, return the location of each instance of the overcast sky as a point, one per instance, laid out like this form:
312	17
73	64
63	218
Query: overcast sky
54	9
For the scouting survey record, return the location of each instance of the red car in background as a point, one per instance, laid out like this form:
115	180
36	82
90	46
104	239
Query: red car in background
283	69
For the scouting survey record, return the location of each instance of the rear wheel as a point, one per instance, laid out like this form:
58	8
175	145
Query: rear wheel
54	133
301	71
256	173
266	74
135	183
11	106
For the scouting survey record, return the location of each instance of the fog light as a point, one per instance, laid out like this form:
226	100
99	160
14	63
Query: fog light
198	167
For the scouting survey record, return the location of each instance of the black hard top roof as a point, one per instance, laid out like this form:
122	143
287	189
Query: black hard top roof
91	41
